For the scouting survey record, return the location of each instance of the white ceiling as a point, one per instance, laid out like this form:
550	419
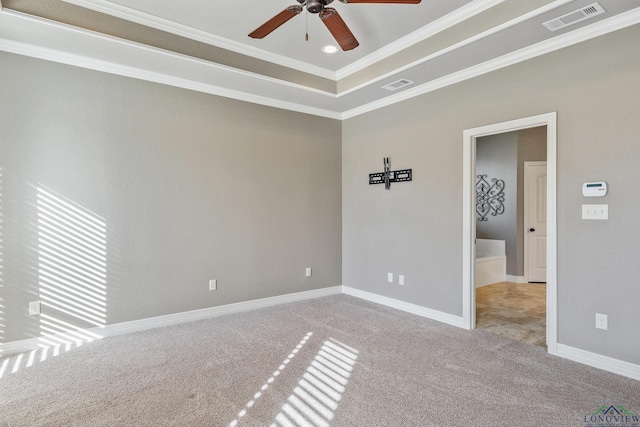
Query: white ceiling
433	44
374	25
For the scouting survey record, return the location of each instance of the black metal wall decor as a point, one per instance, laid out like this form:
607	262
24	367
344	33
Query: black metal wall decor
389	176
489	197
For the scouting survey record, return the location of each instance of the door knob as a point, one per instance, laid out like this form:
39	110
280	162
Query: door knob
532	230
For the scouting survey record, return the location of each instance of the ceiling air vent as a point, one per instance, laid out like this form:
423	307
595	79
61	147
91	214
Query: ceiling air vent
397	85
574	17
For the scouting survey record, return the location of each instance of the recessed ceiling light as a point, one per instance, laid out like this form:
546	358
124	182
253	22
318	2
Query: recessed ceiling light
329	49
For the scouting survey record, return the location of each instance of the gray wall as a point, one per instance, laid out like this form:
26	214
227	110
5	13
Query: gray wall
171	188
497	157
416	228
159	190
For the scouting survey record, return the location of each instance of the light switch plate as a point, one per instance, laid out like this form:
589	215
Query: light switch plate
595	212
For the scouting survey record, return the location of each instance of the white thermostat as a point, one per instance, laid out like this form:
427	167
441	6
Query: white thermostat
594	189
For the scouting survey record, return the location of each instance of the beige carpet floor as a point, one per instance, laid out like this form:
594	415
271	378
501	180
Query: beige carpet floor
334	361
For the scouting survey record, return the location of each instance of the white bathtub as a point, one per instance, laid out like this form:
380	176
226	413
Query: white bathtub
491	262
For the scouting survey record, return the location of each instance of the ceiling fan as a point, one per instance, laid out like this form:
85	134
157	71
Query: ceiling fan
328	15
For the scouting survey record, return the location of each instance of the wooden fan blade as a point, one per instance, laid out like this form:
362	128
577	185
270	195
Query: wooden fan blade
383	1
273	23
338	29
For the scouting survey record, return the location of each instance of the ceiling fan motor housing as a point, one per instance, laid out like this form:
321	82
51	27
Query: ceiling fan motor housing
315	6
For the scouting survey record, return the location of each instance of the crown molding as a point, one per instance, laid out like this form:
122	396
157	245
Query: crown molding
168	26
597	29
180	62
437	26
180	68
460	44
149	20
123	43
126	71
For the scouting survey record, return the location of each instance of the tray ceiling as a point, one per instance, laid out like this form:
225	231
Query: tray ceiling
204	45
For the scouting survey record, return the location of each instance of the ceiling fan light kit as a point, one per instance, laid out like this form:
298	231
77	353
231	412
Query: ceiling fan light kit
329	16
329	48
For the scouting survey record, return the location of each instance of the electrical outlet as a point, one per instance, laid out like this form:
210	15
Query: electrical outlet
390	277
601	321
34	308
307	272
401	279
213	284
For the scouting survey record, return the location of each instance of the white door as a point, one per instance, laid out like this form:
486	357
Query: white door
535	221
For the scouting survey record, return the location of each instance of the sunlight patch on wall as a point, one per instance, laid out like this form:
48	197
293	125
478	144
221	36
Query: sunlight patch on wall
71	281
314	401
72	270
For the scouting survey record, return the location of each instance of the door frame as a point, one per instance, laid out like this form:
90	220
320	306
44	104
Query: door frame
469	223
526	205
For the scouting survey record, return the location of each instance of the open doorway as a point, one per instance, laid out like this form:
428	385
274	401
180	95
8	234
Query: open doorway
511	234
470	138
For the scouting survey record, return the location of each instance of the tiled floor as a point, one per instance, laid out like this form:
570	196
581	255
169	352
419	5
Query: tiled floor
512	310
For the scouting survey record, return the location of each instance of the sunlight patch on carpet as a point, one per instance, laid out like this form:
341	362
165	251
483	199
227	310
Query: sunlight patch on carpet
314	401
271	379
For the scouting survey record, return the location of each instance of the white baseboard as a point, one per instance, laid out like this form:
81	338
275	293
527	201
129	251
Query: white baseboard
22	346
595	360
599	361
114	329
605	363
429	313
